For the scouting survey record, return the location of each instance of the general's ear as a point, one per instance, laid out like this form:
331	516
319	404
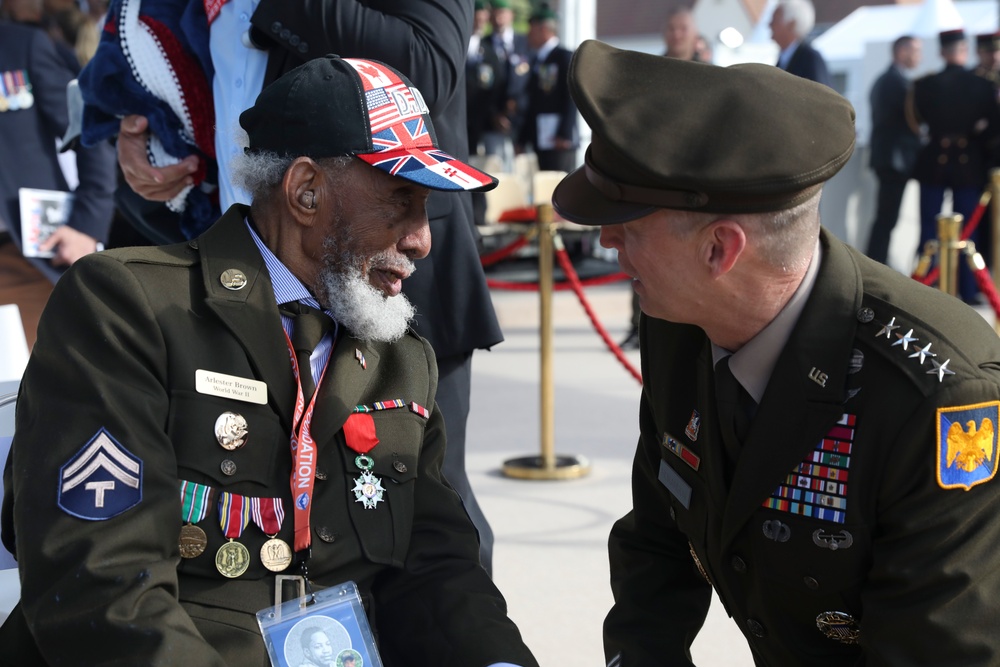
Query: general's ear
301	190
725	242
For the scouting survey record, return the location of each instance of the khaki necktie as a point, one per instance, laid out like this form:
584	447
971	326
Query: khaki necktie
309	325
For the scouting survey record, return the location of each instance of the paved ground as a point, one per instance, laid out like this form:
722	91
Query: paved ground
551	557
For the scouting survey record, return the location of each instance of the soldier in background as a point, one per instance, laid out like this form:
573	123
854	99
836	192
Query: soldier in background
961	116
988	48
894	143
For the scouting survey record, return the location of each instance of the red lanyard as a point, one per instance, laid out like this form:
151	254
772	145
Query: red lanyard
303	453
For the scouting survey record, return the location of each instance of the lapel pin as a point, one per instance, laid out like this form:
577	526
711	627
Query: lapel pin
361	358
233	279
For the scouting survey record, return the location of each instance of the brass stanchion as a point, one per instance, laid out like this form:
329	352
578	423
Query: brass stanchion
949	237
549	465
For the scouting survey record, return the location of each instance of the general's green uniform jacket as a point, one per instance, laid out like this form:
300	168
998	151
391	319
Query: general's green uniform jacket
118	349
842	509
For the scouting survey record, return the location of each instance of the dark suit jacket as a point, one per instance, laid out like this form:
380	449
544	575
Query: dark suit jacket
143	322
548	93
952	103
809	64
28	141
512	72
916	566
894	146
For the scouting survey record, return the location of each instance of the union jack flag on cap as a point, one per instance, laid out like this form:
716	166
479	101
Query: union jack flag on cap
402	137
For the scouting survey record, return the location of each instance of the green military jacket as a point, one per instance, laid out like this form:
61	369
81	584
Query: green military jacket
119	347
862	522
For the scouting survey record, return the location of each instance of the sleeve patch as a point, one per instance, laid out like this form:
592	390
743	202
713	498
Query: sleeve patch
967	445
101	481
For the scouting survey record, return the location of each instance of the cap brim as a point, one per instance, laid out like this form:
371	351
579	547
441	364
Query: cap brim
577	200
431	168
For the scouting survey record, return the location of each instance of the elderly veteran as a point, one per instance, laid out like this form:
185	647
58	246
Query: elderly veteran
818	432
163	423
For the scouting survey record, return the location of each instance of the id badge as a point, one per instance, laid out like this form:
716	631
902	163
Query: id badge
324	629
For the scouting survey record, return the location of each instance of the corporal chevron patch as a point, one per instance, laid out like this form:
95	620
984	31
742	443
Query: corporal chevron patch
101	481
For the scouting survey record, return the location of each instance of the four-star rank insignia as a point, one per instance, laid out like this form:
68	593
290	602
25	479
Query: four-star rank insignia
967	445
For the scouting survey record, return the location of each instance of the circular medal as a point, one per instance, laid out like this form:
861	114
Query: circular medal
25	98
233	279
232	559
192	541
231	430
276	555
4	104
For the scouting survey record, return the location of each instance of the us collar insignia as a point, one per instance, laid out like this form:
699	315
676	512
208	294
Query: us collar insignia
967	445
817	487
693	426
681	451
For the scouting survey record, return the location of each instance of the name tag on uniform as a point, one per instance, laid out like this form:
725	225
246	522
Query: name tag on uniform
230	386
680	489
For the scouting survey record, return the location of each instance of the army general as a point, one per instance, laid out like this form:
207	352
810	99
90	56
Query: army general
818	432
199	418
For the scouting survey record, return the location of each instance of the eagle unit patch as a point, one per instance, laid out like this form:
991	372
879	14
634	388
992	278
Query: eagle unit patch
967	445
101	481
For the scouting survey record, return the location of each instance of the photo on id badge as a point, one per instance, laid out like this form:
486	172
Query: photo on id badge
332	632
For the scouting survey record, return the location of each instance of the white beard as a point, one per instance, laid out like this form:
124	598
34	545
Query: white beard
365	310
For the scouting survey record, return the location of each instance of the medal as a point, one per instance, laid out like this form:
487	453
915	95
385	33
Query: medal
276	555
24	97
192	541
194	507
232	559
268	515
231	430
368	488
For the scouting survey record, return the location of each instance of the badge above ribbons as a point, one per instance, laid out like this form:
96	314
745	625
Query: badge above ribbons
967	445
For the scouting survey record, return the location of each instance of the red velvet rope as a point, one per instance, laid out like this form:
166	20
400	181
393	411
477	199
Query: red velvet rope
505	252
986	286
574	280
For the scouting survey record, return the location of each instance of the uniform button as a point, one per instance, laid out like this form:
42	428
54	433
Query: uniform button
326	534
866	315
228	467
285	33
321	475
399	466
810	583
739	564
276	27
294	40
756	629
244	16
303	47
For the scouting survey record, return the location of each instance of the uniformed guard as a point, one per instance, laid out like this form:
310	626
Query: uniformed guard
202	422
962	120
818	432
988	51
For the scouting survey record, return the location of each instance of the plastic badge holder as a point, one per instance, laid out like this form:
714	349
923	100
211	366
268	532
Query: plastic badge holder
327	631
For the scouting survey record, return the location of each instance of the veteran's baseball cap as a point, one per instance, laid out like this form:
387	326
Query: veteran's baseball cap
333	106
669	133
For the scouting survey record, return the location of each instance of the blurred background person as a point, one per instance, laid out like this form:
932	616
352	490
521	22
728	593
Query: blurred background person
960	113
33	119
894	144
550	125
791	23
508	55
680	34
